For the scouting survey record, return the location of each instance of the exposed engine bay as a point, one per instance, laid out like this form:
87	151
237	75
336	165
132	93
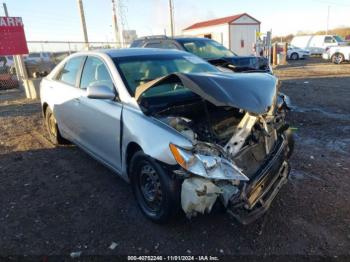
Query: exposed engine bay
238	156
243	140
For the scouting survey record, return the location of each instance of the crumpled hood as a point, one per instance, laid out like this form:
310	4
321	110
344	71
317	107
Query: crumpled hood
254	92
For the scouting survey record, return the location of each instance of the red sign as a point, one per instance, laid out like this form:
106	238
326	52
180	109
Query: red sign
12	37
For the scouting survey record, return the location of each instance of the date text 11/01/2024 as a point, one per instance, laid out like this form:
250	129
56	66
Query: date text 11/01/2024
173	258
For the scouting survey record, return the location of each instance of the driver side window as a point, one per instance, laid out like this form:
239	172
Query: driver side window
95	72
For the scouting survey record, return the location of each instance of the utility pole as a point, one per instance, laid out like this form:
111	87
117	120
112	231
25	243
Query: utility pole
5	9
83	23
171	9
115	24
118	30
328	10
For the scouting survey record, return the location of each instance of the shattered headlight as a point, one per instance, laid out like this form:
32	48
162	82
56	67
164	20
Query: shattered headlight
207	162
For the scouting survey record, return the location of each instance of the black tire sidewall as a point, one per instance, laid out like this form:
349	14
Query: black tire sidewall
171	189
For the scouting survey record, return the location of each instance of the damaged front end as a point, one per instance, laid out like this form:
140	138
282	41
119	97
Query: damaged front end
241	143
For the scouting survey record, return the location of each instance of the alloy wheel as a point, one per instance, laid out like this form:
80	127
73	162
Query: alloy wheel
338	59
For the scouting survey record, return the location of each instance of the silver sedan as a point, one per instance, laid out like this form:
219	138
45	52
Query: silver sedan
184	134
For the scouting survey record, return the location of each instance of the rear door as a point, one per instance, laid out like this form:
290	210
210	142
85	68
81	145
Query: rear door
65	93
99	119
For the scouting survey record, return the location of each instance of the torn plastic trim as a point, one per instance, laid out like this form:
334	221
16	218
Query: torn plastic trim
253	92
244	203
198	195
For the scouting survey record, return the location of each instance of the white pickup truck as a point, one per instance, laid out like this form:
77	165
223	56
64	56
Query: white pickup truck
337	54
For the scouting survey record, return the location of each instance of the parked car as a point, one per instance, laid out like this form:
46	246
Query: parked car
207	49
316	44
7	78
183	133
7	81
337	54
6	61
296	53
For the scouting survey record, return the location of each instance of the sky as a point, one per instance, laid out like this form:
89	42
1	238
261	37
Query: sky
51	20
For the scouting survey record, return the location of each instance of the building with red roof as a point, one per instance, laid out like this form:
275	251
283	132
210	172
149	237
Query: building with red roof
236	32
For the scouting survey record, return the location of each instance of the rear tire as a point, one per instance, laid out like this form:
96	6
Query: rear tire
157	193
337	58
52	129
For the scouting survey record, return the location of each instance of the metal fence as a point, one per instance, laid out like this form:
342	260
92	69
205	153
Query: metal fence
8	78
43	57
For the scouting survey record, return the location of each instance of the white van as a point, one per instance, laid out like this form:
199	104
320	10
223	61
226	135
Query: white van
316	44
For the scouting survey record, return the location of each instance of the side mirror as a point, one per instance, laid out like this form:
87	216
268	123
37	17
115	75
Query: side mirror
100	92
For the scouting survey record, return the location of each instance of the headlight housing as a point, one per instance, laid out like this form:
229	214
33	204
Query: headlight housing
206	161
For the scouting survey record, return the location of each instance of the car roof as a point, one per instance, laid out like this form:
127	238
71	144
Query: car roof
125	52
192	38
152	38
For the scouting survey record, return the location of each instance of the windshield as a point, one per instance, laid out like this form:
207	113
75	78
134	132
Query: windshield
136	71
338	38
206	49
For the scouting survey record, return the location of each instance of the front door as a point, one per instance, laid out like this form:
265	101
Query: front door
99	119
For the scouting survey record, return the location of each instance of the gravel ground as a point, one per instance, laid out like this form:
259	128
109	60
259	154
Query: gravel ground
55	201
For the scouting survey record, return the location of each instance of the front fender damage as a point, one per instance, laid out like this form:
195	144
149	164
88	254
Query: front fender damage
245	201
240	141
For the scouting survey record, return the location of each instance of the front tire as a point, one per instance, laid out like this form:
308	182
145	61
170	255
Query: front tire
52	128
337	58
156	192
294	56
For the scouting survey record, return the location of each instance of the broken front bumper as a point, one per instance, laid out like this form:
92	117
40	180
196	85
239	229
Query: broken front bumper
257	195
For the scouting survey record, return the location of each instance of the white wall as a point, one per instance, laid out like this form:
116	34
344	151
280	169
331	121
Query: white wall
244	29
218	33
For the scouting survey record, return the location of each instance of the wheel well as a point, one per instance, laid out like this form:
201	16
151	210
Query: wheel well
337	53
45	105
130	151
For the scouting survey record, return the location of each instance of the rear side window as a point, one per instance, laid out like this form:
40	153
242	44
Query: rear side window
329	39
168	45
69	72
153	45
162	44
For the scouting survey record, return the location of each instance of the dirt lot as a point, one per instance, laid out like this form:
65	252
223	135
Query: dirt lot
60	200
